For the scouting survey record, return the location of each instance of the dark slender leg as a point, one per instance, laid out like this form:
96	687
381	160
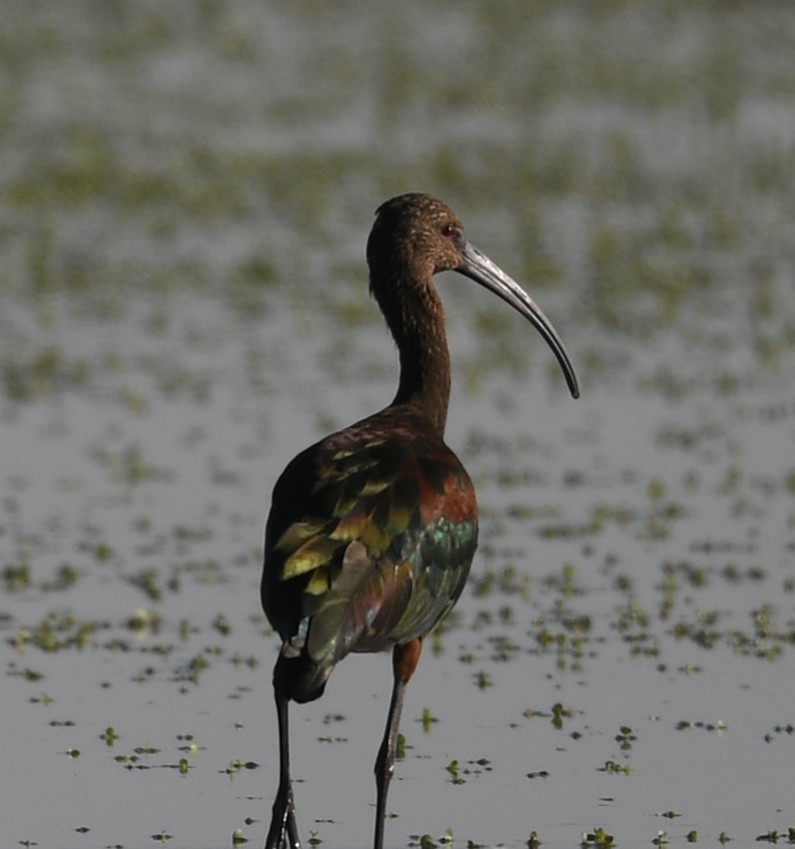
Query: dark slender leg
283	833
404	661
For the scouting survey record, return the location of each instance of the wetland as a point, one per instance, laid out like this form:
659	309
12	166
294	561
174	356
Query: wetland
185	194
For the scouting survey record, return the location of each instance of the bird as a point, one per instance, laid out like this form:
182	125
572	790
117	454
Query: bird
372	530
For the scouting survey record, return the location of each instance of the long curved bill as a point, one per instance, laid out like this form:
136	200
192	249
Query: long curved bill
478	267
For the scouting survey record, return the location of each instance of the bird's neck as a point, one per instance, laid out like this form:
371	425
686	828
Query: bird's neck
416	319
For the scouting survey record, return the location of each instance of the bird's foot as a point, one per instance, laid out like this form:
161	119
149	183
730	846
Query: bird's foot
283	833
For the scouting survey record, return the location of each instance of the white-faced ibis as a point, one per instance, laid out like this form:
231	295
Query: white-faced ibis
373	529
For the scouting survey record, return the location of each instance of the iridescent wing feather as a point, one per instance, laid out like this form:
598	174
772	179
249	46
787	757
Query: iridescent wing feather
369	540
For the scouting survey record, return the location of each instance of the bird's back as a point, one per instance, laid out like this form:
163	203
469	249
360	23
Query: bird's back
368	544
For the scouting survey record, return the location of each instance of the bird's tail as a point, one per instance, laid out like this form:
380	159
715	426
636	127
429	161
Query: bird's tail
298	677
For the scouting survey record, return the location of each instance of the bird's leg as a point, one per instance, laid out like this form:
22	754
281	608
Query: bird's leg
283	833
404	661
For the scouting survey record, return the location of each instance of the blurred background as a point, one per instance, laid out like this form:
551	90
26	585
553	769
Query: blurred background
185	194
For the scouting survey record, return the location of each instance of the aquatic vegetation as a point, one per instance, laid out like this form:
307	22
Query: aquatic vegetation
214	168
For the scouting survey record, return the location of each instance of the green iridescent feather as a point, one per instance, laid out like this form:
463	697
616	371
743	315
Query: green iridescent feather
366	556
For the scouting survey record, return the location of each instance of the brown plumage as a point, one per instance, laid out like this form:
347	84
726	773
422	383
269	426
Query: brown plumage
372	530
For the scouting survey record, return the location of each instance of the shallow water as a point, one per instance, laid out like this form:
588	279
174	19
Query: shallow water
183	307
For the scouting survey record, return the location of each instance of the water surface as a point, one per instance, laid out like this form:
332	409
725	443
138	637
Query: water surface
185	195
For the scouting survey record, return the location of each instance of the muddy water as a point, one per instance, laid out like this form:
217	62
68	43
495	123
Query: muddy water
183	307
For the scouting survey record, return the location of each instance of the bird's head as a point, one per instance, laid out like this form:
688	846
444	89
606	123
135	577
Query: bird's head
416	236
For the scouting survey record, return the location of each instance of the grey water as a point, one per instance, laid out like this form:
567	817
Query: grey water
185	193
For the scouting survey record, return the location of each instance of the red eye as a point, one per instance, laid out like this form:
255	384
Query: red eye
448	231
